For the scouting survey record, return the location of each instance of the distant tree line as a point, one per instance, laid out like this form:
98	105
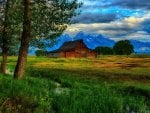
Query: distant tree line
123	47
104	50
40	53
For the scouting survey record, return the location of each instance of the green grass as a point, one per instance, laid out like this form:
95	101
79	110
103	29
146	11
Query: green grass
33	93
97	100
52	86
141	56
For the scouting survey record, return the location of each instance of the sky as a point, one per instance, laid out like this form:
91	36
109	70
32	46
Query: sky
115	19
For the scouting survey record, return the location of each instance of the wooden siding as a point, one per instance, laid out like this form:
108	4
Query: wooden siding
74	49
54	55
80	51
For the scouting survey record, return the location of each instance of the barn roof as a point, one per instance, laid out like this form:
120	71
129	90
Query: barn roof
68	46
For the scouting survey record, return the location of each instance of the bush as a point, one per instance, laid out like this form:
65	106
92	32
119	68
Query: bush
104	50
40	53
123	47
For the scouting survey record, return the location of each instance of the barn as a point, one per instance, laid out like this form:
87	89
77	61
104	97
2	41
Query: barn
73	49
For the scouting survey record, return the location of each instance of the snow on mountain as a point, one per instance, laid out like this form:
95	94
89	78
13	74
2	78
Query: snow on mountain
94	40
91	40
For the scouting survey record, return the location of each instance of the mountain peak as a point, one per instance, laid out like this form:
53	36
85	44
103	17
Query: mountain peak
80	35
95	40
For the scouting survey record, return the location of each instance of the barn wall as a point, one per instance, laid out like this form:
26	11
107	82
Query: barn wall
70	54
91	54
81	51
54	55
62	54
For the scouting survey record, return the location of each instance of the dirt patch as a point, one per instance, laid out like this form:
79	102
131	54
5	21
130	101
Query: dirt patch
17	105
130	65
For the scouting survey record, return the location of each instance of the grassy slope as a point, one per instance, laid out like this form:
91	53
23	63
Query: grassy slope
115	84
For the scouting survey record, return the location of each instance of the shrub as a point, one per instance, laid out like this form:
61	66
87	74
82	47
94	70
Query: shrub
123	47
40	53
104	50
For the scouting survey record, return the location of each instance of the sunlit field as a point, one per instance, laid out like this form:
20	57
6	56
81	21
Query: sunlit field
108	84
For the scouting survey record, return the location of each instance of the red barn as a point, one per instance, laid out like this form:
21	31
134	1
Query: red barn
73	49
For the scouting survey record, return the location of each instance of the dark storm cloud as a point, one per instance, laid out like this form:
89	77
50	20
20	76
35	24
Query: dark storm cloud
98	11
132	4
146	26
125	28
94	18
118	19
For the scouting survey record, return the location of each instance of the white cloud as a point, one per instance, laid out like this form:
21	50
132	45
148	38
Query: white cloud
145	48
139	35
129	28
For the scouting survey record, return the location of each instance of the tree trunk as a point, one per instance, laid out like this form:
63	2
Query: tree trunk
4	60
5	39
26	34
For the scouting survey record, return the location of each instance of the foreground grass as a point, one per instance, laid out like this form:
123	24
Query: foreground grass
24	96
77	86
75	95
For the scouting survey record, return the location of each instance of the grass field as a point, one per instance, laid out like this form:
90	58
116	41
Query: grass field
108	84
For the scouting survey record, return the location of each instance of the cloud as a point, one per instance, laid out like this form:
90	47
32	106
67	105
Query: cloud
111	29
139	35
94	18
117	19
146	25
127	28
126	24
132	4
91	13
102	11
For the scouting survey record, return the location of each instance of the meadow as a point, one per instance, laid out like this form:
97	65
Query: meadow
108	84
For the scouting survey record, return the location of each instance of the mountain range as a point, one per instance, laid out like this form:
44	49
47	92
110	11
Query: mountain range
94	40
141	47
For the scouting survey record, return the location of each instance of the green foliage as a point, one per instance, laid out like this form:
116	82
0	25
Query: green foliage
63	90
86	96
14	20
13	50
96	100
26	96
50	19
104	50
123	47
40	53
140	55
